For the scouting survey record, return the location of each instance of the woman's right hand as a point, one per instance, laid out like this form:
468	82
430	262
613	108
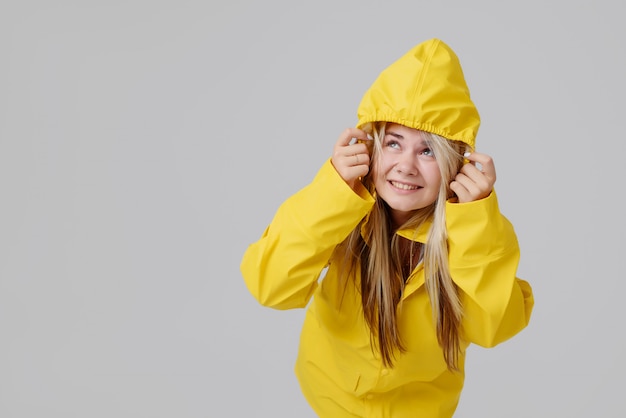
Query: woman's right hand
351	157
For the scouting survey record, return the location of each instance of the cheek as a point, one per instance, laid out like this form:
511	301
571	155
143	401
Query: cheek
432	175
381	163
379	170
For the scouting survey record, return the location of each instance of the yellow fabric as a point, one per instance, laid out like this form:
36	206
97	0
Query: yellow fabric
291	265
339	373
425	89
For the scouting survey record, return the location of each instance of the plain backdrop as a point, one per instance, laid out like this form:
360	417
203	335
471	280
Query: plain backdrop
145	144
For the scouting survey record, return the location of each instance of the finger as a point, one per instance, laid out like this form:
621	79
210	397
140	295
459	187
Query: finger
484	177
350	136
359	149
359	171
351	174
472	187
351	165
351	155
482	162
472	172
468	185
357	159
461	192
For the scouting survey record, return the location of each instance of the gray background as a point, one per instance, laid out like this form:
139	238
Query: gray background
145	144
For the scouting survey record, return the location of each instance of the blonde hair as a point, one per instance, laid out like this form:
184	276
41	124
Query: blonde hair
373	248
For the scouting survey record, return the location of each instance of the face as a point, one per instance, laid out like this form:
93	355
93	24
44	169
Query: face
406	175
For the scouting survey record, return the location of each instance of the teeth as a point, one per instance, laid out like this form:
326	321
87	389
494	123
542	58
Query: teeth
403	186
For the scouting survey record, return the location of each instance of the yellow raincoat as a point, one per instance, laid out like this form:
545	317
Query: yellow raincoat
291	265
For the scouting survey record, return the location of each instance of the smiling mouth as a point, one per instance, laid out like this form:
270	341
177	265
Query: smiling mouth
403	186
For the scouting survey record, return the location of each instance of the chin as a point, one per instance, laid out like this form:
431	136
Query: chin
406	208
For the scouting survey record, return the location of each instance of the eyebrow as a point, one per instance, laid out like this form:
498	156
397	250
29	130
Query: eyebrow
424	142
394	134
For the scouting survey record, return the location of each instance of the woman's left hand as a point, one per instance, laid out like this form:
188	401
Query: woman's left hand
475	180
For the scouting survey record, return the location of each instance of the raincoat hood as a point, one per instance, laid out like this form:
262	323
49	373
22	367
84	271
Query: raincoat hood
425	89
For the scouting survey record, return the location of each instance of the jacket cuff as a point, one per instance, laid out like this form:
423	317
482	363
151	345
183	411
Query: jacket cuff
477	230
328	206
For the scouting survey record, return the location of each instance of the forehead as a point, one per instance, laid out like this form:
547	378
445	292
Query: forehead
404	132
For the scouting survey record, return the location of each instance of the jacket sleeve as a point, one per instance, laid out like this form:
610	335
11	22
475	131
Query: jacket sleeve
282	268
484	255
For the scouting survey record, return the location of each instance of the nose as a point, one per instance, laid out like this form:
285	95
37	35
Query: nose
407	164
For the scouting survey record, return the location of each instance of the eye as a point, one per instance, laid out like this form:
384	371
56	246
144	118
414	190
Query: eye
392	143
428	152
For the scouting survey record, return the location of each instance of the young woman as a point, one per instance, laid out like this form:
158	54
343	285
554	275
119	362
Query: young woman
417	260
